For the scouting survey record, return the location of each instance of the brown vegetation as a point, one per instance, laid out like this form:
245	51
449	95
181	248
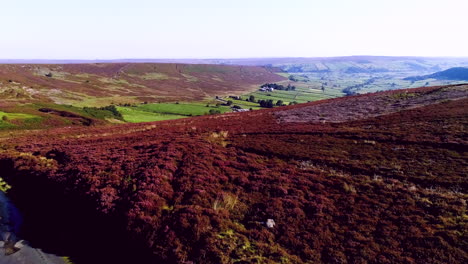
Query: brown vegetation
378	188
72	83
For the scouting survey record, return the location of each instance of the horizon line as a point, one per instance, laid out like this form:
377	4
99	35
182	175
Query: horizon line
229	58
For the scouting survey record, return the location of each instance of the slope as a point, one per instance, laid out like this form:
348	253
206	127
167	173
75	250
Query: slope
102	84
456	73
377	178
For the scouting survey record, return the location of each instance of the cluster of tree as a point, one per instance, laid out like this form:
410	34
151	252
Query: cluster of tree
125	104
269	103
295	78
266	103
276	86
110	108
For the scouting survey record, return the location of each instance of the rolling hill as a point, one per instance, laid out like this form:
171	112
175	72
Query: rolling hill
102	84
38	96
456	73
375	178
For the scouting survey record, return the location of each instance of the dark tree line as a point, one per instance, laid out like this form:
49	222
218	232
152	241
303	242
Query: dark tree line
270	104
276	86
266	103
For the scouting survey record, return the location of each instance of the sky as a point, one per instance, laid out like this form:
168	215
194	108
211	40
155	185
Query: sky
118	29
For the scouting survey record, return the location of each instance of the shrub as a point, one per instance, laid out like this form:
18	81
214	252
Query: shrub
4	187
214	112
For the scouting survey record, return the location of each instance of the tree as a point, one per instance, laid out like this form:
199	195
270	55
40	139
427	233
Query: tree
269	104
266	103
214	112
279	103
252	98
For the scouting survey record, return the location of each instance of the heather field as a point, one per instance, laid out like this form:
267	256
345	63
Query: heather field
375	178
98	85
193	132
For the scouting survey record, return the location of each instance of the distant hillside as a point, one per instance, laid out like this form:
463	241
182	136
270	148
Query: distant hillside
101	84
456	73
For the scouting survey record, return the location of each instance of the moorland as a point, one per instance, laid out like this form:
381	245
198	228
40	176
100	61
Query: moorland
373	178
305	160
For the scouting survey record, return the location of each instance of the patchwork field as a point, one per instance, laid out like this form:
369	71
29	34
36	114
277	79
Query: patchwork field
81	94
358	74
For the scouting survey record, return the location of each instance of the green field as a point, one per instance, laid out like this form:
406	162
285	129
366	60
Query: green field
133	115
13	116
305	92
5	119
167	111
185	109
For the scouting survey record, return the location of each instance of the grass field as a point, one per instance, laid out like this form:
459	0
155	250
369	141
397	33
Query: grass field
245	104
305	92
167	111
26	118
185	109
13	116
134	115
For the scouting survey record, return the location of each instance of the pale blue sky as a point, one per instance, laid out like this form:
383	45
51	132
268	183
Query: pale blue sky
113	29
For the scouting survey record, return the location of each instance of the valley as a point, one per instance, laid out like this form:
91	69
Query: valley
377	178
